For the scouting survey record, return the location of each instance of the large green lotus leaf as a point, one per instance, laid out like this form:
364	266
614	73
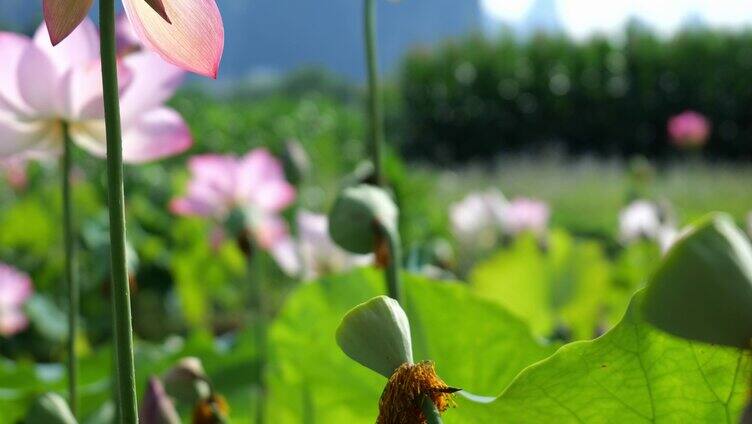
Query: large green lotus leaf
475	344
567	284
632	374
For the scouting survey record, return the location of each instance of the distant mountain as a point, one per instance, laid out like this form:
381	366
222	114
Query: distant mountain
284	34
281	35
694	20
542	16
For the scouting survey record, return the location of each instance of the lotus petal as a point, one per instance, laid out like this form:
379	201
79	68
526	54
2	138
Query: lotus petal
193	41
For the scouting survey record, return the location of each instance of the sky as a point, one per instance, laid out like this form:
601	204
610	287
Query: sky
583	17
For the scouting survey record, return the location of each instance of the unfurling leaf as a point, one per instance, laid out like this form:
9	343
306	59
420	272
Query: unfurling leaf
187	382
703	289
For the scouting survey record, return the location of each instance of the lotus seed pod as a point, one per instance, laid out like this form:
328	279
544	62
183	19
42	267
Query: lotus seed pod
186	382
358	215
295	161
376	334
703	289
50	408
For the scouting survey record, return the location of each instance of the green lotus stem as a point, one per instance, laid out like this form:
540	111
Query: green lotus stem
429	411
71	281
256	267
392	273
375	106
126	378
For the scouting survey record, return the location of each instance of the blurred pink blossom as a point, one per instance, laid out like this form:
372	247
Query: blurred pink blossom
41	87
647	220
525	215
477	216
15	289
640	219
689	129
14	170
480	218
187	33
126	39
254	185
318	252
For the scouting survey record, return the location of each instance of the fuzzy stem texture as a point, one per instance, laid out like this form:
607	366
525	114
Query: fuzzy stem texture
375	102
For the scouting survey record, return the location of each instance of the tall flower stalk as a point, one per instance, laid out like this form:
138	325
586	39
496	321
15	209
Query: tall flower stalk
375	106
126	377
71	281
257	269
245	196
388	249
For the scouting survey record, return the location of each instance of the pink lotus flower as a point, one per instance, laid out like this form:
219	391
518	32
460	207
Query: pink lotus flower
523	215
126	39
647	220
186	33
15	289
14	169
254	185
41	87
318	252
689	129
477	215
640	219
481	217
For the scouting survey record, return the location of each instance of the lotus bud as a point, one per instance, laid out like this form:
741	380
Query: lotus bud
157	407
376	334
187	382
50	408
361	217
703	289
295	161
364	173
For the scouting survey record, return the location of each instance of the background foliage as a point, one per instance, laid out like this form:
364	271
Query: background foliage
476	98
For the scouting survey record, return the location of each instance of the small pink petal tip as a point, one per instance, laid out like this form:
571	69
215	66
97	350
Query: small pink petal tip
158	7
64	16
